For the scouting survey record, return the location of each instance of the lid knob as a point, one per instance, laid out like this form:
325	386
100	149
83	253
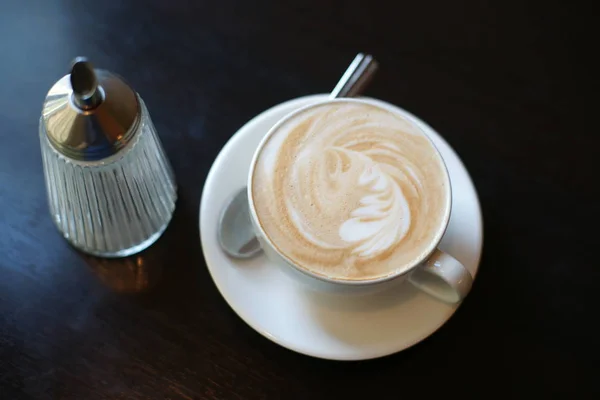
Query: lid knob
86	94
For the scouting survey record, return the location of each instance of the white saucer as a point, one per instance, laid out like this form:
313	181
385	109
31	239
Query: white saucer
321	325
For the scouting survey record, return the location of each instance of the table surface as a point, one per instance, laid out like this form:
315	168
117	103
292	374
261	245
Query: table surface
509	87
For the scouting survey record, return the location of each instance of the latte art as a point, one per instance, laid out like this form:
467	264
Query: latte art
383	217
350	191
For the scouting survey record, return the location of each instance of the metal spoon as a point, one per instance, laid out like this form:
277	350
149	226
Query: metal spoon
235	232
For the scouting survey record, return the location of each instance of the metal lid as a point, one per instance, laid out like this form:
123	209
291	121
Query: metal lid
90	114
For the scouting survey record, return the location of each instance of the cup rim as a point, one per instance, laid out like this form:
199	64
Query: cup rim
350	282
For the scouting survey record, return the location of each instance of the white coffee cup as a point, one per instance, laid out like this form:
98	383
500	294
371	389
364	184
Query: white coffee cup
436	273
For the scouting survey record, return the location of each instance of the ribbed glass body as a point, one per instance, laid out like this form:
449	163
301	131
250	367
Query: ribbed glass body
117	206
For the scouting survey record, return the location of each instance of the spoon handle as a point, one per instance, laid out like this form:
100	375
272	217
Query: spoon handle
357	76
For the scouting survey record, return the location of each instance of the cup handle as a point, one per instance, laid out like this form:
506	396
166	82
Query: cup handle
443	277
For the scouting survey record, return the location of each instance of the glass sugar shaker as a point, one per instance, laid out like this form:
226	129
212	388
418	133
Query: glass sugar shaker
111	189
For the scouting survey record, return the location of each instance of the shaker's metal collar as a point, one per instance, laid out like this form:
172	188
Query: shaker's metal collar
90	114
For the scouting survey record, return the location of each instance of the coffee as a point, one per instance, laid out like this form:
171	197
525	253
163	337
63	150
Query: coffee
350	190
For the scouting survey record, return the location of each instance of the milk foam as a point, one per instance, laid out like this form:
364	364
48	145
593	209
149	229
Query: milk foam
350	191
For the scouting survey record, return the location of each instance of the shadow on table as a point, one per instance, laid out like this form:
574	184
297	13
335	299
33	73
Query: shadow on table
134	274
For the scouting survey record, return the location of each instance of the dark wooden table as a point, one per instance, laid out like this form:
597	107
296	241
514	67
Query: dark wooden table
508	86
